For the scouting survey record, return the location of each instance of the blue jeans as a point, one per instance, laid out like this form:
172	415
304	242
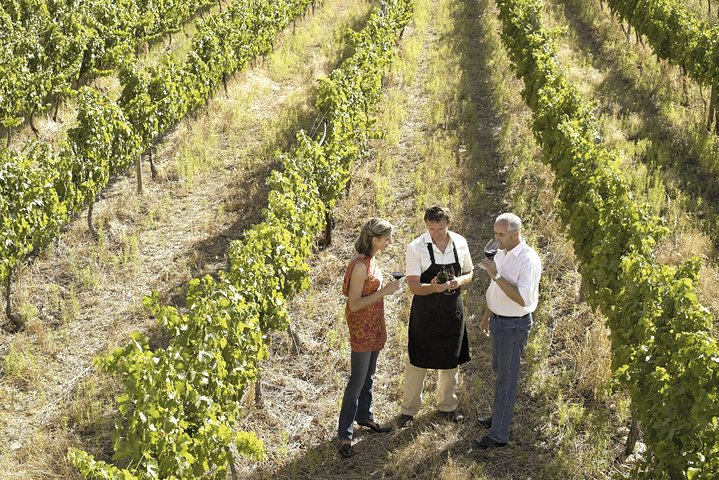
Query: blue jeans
509	337
357	398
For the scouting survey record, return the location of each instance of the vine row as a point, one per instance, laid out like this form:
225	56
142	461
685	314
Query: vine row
662	348
42	187
679	36
181	402
49	46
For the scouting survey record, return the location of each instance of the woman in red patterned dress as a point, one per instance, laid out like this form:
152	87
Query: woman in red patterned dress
364	313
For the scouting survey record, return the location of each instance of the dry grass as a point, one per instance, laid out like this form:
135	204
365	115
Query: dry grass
83	295
446	142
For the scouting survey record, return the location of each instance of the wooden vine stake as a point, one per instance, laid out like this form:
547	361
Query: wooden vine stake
712	108
633	435
231	458
328	228
90	226
138	170
297	346
17	325
259	401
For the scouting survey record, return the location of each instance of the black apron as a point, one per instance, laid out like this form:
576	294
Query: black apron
437	332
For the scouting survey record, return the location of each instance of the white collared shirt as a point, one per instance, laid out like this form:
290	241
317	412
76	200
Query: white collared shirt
521	266
417	258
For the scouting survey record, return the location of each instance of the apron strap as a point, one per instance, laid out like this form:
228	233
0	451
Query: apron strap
431	253
454	250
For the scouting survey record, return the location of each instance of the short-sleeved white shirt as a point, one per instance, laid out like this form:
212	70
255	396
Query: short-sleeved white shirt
417	258
521	266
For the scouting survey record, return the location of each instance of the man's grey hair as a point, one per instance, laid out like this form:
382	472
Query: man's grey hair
514	223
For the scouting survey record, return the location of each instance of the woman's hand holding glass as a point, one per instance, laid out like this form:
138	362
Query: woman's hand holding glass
392	287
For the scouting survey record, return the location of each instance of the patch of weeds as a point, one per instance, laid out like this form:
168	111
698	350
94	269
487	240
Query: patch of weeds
156	212
21	366
54	298
86	275
283	447
129	251
89	277
28	313
623	408
89	411
332	339
197	154
69	306
382	193
101	252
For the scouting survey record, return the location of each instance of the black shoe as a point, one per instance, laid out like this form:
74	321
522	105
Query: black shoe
376	427
487	442
403	420
486	422
454	416
347	451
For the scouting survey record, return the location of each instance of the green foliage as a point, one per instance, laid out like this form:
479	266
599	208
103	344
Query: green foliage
181	403
109	135
676	34
30	209
48	45
662	348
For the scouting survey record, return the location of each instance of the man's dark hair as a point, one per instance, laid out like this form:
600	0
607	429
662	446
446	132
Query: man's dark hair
436	213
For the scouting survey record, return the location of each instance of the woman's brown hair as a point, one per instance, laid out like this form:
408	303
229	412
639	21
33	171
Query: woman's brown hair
375	227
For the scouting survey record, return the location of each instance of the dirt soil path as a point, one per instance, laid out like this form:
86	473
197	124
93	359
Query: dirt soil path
400	177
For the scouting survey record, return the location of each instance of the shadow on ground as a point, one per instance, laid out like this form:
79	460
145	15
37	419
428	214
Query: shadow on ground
409	452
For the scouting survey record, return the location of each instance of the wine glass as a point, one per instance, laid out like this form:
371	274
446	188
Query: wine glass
398	275
449	271
490	250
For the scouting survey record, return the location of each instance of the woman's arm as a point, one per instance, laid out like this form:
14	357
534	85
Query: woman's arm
355	300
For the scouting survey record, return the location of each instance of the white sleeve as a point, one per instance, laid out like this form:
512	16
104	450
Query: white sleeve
412	262
467	265
528	281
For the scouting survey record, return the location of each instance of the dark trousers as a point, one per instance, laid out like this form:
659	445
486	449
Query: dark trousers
509	337
357	399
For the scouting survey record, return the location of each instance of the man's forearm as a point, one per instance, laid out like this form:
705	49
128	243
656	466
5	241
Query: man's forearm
510	290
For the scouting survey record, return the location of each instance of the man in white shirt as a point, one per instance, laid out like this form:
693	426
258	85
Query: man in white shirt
512	296
437	265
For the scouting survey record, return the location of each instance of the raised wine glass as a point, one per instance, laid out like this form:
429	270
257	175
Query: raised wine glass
490	250
398	275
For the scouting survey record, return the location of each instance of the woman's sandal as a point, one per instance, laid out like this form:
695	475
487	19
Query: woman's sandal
346	450
376	427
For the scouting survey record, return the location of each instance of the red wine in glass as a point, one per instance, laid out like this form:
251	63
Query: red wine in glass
490	250
398	275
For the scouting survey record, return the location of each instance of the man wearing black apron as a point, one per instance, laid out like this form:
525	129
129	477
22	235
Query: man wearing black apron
438	264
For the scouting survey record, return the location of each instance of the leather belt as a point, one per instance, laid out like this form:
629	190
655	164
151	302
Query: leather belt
504	316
